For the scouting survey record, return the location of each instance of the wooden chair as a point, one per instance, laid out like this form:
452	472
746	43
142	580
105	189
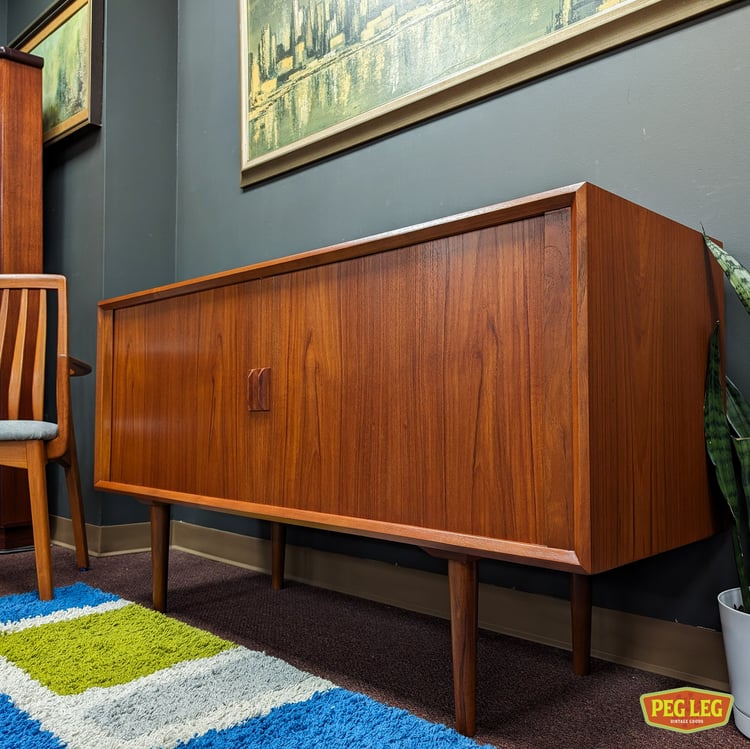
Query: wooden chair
28	440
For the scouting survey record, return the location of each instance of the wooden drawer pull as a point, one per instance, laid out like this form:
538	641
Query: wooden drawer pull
259	389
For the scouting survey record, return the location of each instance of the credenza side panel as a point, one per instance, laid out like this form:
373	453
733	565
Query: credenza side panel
653	296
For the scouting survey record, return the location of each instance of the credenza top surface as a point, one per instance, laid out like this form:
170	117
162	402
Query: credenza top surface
511	210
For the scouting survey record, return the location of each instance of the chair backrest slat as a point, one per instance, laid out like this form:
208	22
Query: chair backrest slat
4	304
38	376
24	329
23	348
19	355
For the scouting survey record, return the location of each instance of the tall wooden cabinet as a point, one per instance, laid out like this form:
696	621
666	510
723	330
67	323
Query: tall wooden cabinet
20	232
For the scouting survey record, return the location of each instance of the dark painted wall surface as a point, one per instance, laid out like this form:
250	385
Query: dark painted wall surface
155	195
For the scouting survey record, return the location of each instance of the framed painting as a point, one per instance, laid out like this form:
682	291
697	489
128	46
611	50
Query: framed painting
69	36
320	77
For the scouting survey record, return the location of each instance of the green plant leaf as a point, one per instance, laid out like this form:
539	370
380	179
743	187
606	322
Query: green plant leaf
721	454
718	436
742	449
738	411
734	270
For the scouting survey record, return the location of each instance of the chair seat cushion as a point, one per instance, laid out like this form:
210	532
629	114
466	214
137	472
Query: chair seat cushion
20	429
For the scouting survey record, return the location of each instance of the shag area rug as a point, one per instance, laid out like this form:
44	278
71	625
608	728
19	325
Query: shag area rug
90	670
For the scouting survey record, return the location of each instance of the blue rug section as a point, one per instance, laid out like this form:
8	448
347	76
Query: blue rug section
19	731
332	718
336	719
28	605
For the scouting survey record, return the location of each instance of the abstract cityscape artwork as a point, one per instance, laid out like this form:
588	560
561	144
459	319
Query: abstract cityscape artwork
319	76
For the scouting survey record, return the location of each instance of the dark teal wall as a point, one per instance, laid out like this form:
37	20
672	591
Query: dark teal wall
154	196
21	14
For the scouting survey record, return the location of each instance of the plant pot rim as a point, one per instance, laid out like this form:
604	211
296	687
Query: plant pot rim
730	598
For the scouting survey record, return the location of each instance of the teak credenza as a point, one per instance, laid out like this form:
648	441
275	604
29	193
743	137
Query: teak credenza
521	382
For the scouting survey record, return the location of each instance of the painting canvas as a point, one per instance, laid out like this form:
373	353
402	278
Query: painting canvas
67	37
321	75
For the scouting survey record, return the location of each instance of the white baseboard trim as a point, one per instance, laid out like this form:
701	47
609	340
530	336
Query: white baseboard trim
691	654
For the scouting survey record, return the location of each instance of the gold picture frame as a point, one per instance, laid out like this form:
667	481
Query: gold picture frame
69	36
296	66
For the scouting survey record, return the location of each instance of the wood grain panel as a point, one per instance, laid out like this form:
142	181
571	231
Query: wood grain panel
552	395
490	472
20	162
650	288
179	406
306	403
402	384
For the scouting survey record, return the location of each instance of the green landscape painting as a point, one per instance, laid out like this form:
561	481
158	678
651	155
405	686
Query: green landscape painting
65	76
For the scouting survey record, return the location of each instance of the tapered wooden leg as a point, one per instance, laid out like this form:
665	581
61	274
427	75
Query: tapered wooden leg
73	482
462	577
580	610
36	460
278	553
160	514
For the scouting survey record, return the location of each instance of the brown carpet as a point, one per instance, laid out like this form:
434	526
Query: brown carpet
528	697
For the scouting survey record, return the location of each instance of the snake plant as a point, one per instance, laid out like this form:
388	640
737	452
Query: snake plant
727	428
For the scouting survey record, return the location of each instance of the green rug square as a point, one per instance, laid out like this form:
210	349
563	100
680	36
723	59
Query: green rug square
69	657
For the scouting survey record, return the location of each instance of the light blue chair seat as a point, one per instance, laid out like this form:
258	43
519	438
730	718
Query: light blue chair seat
21	429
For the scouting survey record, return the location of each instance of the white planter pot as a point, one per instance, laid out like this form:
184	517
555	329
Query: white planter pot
735	626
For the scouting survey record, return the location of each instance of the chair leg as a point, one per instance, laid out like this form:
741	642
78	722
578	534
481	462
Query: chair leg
36	461
73	482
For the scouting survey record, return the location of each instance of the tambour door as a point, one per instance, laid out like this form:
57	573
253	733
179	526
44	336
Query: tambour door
179	404
430	385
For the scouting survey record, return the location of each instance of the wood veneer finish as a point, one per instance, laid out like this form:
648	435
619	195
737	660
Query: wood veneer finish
20	162
522	382
20	233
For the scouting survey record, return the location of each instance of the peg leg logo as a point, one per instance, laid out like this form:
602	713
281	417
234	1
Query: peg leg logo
687	710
